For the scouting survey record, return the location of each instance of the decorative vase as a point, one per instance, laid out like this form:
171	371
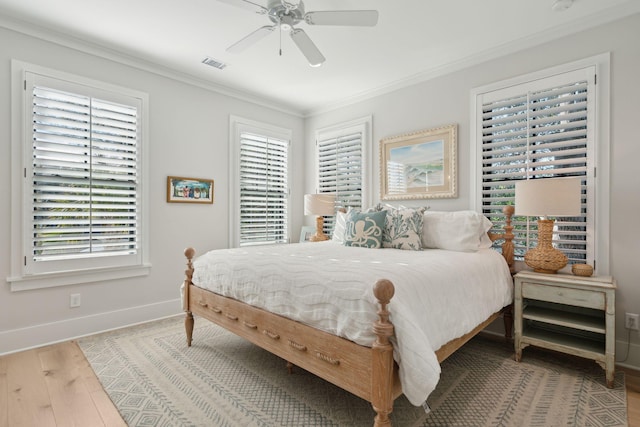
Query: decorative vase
545	258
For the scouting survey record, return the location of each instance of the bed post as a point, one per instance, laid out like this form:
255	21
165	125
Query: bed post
382	357
188	320
507	246
507	253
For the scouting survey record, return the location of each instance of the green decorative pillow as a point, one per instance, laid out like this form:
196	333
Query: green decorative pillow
364	229
403	228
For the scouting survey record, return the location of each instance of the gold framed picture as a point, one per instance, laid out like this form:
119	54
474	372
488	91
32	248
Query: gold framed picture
419	165
189	190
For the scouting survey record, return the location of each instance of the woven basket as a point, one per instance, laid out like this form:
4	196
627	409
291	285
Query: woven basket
582	270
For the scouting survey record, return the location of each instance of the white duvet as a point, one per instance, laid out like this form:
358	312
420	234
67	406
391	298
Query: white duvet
439	295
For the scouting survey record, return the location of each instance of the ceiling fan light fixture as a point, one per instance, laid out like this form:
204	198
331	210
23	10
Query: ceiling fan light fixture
287	22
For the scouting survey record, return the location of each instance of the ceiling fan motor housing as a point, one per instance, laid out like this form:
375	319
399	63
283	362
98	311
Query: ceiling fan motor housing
285	13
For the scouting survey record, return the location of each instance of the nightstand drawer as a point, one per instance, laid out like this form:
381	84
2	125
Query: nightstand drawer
564	295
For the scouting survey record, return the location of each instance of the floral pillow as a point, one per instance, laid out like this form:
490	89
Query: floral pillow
403	228
364	229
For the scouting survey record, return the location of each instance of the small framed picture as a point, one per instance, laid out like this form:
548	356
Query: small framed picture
189	190
306	232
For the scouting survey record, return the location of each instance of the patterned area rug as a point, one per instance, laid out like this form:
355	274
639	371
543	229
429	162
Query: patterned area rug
154	379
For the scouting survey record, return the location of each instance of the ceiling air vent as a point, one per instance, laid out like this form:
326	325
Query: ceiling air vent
214	63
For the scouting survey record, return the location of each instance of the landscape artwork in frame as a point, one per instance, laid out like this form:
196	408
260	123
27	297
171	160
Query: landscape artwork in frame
189	190
419	165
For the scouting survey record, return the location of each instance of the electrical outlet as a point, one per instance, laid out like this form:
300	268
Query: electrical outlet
74	300
632	321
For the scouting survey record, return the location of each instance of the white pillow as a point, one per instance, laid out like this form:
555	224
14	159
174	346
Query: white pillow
485	241
340	227
455	231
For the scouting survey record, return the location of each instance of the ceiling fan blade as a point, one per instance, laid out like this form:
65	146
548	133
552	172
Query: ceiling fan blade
246	4
363	18
252	38
307	47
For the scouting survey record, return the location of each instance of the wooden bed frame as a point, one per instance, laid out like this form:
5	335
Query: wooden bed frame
367	372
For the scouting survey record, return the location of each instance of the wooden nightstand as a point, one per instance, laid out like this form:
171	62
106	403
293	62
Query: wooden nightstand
571	314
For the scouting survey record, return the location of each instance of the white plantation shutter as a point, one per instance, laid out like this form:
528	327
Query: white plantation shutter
341	159
540	130
264	189
83	178
340	169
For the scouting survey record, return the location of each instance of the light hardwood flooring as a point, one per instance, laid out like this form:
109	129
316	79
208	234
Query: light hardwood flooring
55	386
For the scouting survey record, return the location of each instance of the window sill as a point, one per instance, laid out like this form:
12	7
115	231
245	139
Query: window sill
26	283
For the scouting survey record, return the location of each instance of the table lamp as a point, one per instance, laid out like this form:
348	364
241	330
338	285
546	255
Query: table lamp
320	205
545	197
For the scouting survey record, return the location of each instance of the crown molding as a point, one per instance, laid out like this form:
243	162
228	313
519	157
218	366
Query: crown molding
628	9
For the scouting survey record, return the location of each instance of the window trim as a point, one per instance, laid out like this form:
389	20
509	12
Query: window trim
601	147
19	278
238	125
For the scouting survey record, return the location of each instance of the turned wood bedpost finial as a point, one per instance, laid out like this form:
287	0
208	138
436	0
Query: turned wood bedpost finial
382	378
189	253
383	291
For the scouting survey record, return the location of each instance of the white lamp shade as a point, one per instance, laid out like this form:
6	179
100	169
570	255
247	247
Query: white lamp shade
549	197
319	204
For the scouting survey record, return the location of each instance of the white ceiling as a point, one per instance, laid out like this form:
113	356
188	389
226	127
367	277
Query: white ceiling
414	39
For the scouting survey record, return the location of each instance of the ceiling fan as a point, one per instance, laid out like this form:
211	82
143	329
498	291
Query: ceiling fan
285	14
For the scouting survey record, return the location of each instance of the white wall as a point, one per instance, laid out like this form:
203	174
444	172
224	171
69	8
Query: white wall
446	99
188	137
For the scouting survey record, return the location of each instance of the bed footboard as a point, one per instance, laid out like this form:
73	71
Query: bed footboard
367	372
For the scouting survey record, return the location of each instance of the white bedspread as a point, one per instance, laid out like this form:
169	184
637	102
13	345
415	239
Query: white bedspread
439	295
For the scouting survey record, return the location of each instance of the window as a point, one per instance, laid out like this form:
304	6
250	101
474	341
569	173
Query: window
342	160
82	177
261	176
540	128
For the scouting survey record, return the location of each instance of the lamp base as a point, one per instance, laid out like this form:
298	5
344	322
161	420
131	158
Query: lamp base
319	236
545	258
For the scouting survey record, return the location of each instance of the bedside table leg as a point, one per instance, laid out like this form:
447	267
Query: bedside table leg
507	317
518	357
609	382
610	371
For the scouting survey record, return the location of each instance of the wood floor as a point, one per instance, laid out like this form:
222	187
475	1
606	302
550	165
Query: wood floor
55	386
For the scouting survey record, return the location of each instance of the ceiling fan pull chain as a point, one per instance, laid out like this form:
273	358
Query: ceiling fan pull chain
280	31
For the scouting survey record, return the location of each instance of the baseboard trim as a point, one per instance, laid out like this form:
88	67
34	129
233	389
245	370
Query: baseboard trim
16	340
